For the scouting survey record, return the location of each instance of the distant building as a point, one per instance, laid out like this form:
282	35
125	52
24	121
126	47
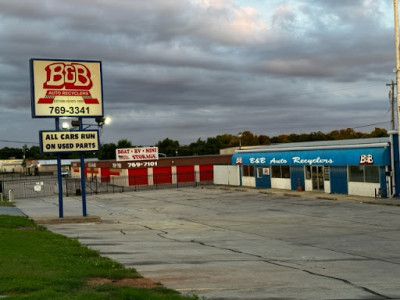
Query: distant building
11	166
49	166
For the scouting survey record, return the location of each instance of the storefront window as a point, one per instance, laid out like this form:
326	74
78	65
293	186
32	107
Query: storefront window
285	171
326	173
280	172
371	174
259	172
356	173
308	172
364	174
248	171
276	172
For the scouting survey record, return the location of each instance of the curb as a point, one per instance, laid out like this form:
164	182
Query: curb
316	195
68	220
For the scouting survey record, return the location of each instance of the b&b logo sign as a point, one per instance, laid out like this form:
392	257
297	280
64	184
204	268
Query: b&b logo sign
66	88
366	159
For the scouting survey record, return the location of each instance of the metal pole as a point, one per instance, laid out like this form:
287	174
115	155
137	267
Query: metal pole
59	179
83	183
392	101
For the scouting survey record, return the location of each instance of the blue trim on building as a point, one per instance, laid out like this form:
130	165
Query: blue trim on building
338	178
297	177
264	181
396	163
331	157
336	157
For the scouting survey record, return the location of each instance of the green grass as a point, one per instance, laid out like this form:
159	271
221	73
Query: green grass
38	264
5	202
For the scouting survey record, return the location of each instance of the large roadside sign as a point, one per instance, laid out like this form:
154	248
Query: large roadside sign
136	154
69	141
64	88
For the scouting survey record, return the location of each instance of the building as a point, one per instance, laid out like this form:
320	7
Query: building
11	166
166	170
366	167
49	166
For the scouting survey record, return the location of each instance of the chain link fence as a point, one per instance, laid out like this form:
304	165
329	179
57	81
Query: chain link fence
35	186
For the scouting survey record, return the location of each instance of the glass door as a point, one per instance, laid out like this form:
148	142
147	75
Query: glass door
317	176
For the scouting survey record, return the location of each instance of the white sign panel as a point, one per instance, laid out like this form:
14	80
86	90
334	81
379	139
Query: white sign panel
69	141
136	154
66	88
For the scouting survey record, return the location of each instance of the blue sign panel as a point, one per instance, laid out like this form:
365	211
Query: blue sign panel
334	157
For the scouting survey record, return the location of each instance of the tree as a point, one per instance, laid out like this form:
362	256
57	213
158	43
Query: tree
379	132
124	144
248	139
264	140
107	151
168	147
11	153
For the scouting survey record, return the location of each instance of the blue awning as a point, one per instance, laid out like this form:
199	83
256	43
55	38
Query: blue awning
379	156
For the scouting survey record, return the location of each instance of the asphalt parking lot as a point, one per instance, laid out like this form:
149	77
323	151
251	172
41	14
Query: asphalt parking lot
233	244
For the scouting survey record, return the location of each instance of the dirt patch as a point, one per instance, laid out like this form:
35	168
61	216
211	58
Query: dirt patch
135	282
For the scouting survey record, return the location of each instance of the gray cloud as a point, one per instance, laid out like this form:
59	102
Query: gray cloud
189	69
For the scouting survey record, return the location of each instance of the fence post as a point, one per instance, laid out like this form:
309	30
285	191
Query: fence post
66	185
134	179
10	195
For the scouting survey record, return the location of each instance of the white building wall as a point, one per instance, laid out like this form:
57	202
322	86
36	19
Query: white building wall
327	186
363	188
308	185
226	175
281	183
122	179
150	176
197	173
174	175
249	181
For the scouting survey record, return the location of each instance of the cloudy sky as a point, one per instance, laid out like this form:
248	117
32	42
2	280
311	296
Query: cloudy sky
189	69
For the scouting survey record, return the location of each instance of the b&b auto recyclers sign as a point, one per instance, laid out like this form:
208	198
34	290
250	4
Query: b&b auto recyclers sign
62	88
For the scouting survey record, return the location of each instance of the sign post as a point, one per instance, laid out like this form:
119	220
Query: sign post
66	88
59	179
83	184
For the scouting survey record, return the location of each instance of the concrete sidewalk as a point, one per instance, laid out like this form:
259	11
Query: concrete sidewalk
11	211
235	243
318	195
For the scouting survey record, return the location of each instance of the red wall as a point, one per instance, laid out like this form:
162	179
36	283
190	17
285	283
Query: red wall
105	174
206	173
138	176
162	175
185	173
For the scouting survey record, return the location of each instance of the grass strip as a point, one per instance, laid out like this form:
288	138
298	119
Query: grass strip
38	264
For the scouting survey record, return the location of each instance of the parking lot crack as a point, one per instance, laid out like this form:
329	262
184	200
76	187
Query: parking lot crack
281	264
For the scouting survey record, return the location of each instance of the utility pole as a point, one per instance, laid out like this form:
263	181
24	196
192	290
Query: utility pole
396	38
395	158
392	100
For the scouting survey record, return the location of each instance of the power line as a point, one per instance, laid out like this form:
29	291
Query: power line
370	124
19	142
